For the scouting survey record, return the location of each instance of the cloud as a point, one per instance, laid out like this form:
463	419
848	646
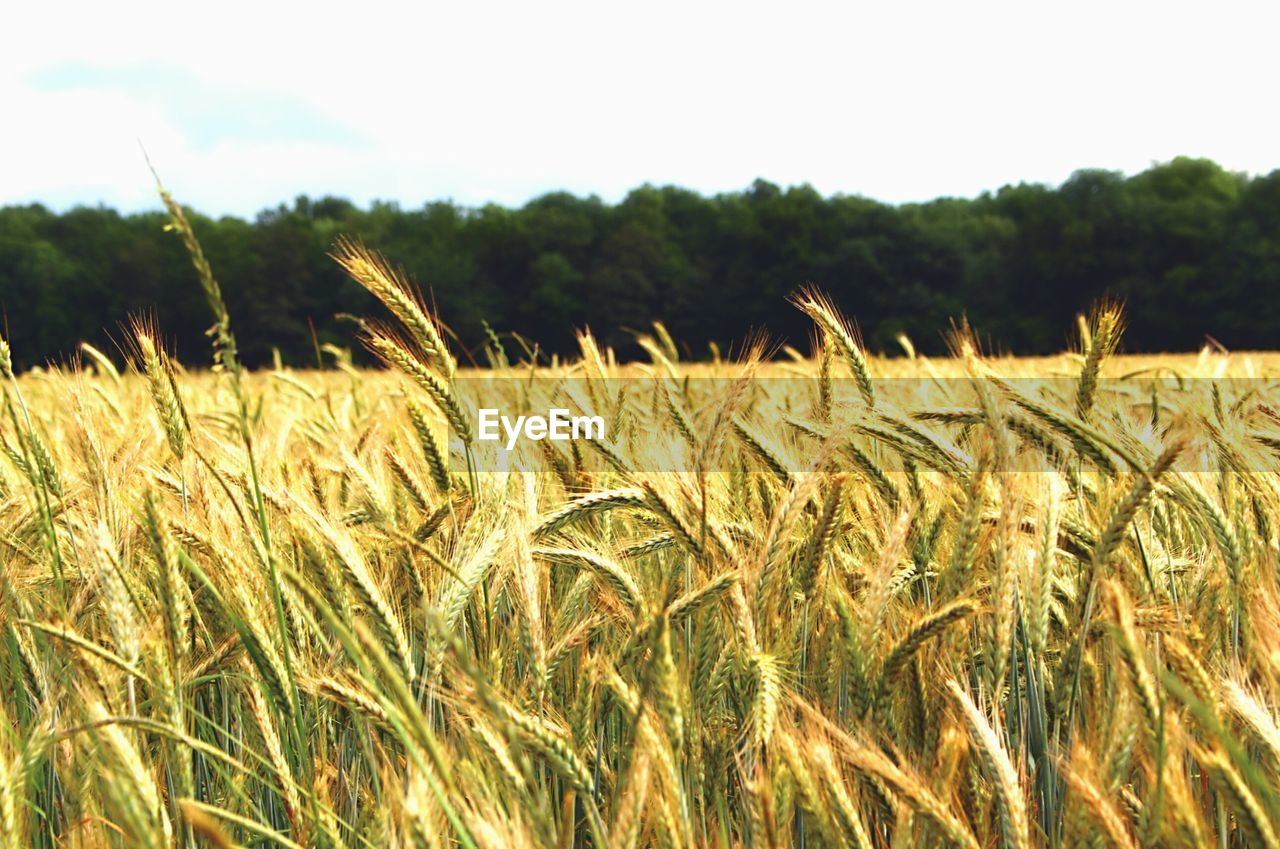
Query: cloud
502	101
206	114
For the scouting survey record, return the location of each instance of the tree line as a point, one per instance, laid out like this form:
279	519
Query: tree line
1191	248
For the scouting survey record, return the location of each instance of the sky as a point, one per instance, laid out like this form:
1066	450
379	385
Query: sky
244	105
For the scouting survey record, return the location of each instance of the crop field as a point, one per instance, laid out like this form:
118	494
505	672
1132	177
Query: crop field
823	601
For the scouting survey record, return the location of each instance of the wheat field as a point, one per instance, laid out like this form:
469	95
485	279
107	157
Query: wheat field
973	602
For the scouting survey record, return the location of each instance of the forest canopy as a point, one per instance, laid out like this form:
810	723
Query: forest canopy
1190	248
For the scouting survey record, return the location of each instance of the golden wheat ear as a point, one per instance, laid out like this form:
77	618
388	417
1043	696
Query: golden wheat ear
840	333
1100	337
154	362
389	286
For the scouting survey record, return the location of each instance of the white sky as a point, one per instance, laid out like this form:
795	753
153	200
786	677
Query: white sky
243	105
